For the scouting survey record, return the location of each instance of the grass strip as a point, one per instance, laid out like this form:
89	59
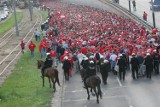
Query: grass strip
23	88
9	23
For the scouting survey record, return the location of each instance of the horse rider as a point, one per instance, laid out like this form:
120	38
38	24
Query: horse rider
47	63
156	59
66	66
104	69
90	71
85	63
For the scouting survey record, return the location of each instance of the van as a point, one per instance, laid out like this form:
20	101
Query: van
156	5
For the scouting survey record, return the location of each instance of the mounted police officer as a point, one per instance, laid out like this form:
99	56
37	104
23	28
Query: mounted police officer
85	63
47	63
156	59
90	71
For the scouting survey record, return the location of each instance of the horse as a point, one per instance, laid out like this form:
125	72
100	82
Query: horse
92	82
51	73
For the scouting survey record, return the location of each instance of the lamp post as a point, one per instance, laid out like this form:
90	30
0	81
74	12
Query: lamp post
15	17
30	9
129	1
153	15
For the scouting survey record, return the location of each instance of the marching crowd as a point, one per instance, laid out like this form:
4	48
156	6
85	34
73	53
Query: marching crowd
96	40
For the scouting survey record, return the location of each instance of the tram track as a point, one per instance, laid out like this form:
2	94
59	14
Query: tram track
12	52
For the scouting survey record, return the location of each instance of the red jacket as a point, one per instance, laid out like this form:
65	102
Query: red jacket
53	54
22	44
40	46
31	46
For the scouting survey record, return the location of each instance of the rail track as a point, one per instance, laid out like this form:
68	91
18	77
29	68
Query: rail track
10	44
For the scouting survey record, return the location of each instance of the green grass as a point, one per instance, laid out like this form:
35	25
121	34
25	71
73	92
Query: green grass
23	88
24	85
9	23
44	15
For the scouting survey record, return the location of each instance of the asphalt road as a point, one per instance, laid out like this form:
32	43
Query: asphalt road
129	93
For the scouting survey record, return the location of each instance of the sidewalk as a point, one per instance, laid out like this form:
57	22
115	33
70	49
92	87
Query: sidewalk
141	6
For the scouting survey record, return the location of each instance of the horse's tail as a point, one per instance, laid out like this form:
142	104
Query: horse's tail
56	75
99	89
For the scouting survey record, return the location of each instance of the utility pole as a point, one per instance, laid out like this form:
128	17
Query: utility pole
15	17
153	15
30	9
129	1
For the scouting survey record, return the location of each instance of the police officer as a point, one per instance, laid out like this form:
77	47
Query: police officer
47	63
156	59
135	65
85	63
90	71
149	65
104	69
66	66
122	65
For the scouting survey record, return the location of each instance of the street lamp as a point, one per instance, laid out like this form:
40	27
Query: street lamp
129	1
153	15
30	9
15	17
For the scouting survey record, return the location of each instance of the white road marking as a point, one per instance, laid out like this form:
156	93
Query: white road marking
120	84
84	99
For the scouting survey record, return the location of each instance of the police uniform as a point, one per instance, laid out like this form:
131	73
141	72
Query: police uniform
149	65
122	65
47	63
66	67
156	59
104	69
135	64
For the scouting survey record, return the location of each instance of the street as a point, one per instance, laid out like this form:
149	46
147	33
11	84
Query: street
129	93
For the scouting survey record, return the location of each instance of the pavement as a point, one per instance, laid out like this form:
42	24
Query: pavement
129	93
141	6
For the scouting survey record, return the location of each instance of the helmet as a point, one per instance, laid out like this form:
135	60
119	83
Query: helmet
86	58
91	62
91	57
47	54
66	57
155	50
120	55
133	54
148	54
105	61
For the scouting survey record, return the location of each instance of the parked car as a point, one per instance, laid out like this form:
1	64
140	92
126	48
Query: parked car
156	5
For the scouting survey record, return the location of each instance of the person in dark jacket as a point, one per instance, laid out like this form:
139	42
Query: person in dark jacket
104	69
66	66
156	59
47	63
85	63
149	65
122	65
135	65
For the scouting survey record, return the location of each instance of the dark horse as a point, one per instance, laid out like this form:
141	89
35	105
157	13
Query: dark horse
51	73
92	82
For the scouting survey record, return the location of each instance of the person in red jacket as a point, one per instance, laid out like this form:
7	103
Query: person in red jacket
31	48
22	46
53	56
40	47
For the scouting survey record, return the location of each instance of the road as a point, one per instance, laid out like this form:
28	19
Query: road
129	93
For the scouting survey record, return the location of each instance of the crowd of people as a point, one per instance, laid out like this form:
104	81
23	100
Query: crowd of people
98	41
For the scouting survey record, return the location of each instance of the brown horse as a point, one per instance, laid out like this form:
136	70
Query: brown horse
92	82
51	73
